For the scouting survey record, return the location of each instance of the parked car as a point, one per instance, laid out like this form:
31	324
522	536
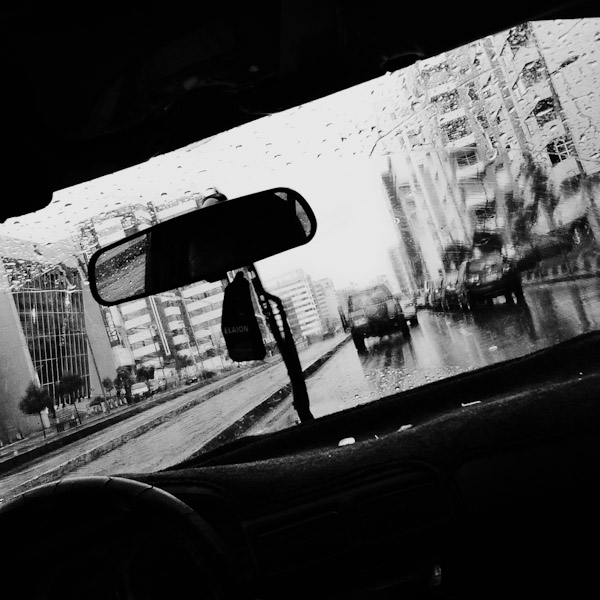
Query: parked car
374	311
435	295
157	385
449	295
485	278
409	310
192	379
140	391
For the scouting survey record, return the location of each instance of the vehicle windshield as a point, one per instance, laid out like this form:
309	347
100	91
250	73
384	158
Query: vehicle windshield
488	150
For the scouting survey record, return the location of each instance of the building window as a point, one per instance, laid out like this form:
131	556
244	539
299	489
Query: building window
472	92
532	73
483	122
544	111
559	149
487	89
447	102
466	159
518	37
457	129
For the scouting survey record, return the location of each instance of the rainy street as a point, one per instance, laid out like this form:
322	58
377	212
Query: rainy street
444	344
441	345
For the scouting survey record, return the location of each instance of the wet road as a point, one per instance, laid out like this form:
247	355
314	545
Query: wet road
445	344
442	345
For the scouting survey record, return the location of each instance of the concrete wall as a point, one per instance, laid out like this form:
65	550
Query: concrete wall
100	354
16	370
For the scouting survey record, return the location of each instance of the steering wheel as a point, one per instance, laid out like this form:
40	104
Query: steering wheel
103	538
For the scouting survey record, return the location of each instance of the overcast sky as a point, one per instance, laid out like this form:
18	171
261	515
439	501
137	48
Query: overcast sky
314	149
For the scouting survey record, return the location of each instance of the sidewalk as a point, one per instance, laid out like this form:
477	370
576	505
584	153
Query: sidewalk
67	459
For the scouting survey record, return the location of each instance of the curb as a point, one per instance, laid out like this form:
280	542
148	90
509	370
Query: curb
270	403
227	434
9	463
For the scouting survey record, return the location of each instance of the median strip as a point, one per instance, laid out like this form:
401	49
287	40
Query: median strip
227	434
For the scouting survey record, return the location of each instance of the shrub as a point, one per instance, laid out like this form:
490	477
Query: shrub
96	401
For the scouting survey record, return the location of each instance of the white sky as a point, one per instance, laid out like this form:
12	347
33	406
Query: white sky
313	149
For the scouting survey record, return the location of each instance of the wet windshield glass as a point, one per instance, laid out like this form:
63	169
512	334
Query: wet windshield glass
466	184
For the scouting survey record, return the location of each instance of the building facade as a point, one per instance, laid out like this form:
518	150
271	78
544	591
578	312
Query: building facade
298	295
51	327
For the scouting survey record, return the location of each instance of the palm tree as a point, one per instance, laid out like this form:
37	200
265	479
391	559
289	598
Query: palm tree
34	401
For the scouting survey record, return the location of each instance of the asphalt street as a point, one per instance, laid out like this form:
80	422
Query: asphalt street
445	344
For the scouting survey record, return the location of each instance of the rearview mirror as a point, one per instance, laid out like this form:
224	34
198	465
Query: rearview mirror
202	245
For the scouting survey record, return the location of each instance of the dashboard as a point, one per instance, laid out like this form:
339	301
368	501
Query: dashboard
498	499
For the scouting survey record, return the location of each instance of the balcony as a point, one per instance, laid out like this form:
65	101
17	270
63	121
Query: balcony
144	351
464	142
204	317
442	88
180	339
178	324
138	321
451	116
140	336
470	171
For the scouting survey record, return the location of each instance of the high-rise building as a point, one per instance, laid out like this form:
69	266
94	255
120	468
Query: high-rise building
297	293
52	327
327	305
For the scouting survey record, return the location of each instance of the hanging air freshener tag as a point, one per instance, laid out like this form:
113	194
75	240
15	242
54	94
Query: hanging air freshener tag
239	325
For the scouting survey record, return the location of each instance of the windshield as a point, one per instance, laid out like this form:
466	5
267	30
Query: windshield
486	154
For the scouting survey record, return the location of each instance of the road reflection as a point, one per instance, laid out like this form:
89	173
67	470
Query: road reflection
444	344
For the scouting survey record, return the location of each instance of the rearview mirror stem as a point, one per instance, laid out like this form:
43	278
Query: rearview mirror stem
287	347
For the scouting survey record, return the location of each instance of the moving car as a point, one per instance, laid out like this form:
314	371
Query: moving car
487	277
374	312
459	463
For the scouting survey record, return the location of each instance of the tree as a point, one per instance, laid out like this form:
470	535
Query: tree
144	373
124	379
455	254
108	384
71	384
181	362
34	401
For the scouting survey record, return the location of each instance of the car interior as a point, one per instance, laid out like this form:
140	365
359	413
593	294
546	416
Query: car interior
481	485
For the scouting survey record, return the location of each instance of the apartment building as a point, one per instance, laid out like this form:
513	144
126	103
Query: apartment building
298	295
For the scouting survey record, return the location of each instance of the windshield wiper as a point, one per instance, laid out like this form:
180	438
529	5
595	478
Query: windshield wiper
285	342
